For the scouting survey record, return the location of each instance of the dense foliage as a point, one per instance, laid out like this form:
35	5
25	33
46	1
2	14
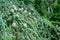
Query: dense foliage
29	20
50	9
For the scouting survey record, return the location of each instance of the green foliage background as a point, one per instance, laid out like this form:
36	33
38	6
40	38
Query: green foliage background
29	20
54	14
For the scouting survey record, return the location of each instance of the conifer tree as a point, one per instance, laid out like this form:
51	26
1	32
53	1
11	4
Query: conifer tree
20	21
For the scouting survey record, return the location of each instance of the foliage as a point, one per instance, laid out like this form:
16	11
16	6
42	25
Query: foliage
20	21
49	9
